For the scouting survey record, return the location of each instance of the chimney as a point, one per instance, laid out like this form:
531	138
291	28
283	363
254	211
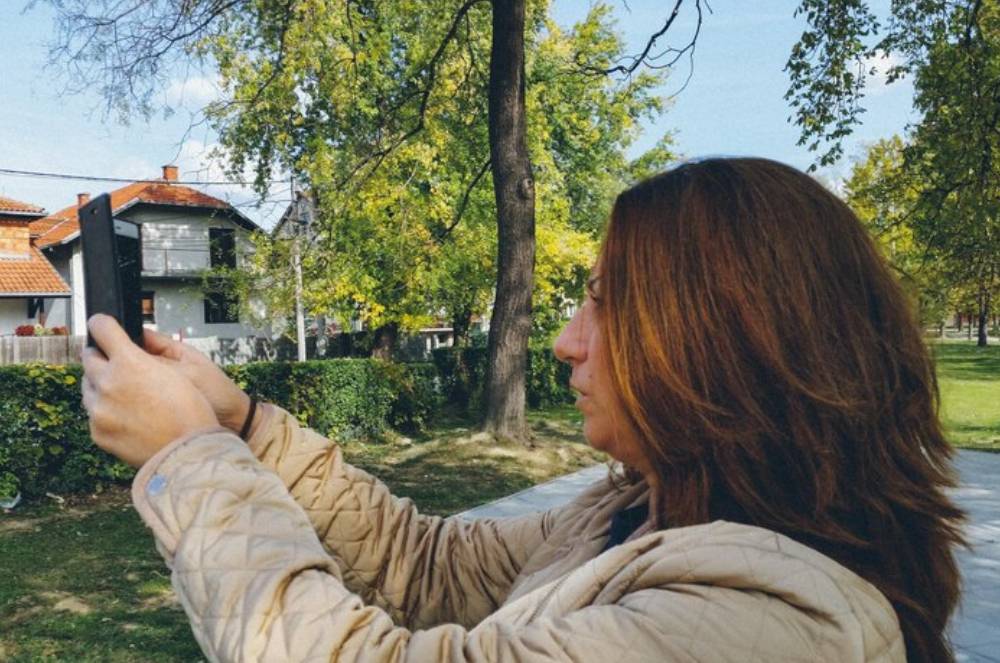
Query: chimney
82	199
170	173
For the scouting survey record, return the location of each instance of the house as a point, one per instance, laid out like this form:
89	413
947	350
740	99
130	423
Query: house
183	232
28	281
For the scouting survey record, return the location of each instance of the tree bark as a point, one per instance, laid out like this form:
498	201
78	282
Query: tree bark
386	337
510	323
460	323
984	311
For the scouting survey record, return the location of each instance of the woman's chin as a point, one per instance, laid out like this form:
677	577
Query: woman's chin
597	438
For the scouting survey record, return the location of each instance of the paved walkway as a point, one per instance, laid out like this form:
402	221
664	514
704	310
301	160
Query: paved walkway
976	627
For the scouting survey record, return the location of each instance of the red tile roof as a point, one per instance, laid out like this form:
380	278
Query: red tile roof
64	224
33	275
11	207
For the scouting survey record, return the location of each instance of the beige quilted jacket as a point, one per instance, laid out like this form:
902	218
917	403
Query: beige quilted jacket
280	551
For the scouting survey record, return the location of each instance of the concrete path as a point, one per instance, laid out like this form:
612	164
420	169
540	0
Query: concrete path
976	627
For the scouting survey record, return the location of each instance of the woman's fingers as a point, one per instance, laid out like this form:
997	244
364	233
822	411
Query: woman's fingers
109	335
95	365
161	345
89	393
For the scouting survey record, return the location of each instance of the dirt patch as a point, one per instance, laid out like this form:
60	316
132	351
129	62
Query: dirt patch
26	607
73	507
160	601
74	605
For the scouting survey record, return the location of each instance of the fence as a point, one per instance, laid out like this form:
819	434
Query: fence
223	351
49	349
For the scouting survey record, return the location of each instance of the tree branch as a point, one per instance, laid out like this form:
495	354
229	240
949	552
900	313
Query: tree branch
465	201
646	56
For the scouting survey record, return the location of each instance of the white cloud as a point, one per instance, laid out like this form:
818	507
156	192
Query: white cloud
201	161
194	93
877	71
207	162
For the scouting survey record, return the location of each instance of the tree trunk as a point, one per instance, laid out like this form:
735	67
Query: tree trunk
984	312
460	323
510	323
386	337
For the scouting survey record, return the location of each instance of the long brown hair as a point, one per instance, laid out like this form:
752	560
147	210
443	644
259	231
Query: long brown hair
775	375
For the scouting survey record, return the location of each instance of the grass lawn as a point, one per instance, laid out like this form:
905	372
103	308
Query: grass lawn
969	379
82	582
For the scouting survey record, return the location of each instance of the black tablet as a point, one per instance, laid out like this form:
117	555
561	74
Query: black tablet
112	259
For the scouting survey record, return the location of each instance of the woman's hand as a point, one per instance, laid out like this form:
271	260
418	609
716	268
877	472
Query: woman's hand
228	401
137	404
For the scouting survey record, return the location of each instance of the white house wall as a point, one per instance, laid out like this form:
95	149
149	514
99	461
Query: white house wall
13	312
78	317
174	241
68	312
180	309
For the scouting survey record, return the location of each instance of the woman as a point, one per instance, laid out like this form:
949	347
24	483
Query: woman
743	351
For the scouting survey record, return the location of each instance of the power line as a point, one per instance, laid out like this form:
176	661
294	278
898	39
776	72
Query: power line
125	180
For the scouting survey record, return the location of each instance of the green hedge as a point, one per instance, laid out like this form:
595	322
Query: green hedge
346	398
45	442
463	374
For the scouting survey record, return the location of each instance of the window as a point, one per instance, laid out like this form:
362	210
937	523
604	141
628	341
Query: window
36	305
148	306
221	307
222	247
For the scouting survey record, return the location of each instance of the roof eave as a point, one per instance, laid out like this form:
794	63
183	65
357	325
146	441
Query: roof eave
30	215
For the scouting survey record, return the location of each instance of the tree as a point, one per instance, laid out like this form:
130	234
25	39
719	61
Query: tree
952	50
884	195
127	46
418	235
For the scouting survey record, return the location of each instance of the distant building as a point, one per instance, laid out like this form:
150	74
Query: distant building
28	281
184	232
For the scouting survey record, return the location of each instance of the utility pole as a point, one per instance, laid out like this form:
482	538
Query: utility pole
300	322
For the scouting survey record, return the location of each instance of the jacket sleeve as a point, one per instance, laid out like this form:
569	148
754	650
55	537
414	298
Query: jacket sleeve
422	570
257	585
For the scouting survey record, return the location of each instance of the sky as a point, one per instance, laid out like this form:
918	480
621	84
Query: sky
732	105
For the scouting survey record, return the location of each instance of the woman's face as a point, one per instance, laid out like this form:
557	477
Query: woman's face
580	345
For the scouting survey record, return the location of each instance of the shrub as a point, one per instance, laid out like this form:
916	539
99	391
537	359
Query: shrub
418	395
463	375
45	443
548	379
345	398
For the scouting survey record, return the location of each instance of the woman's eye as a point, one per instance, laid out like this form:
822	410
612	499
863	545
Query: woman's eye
593	285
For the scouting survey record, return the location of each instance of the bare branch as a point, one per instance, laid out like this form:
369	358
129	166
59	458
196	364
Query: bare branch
647	57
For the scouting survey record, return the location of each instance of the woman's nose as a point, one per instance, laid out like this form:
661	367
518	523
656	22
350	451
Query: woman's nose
570	346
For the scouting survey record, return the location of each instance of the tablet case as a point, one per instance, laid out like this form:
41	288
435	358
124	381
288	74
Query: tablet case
112	259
